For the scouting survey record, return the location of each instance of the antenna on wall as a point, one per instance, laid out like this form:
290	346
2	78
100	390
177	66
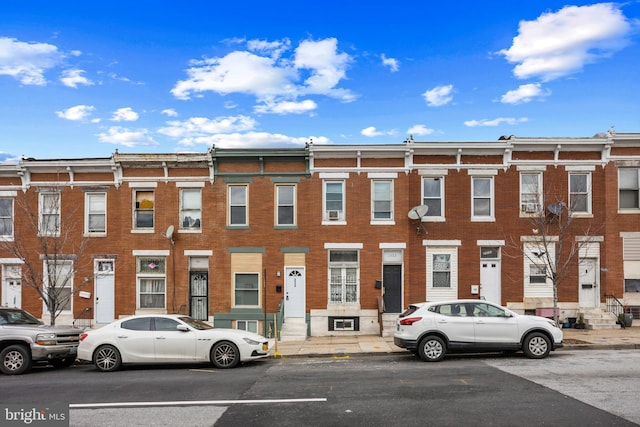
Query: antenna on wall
416	213
169	234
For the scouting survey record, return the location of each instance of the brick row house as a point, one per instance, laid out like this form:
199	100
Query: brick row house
328	239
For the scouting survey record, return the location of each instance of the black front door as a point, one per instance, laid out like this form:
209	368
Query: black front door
392	283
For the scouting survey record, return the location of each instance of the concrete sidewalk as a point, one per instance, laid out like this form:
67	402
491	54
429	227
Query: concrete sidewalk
340	346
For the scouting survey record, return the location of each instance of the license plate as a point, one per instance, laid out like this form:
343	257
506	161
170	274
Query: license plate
74	350
265	346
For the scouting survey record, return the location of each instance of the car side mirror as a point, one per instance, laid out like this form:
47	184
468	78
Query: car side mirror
183	328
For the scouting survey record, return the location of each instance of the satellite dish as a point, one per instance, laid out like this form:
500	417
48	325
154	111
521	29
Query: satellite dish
556	208
169	232
417	212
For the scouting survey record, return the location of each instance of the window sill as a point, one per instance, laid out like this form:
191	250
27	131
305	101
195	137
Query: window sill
433	219
628	211
483	219
285	227
142	231
94	235
382	222
237	227
190	230
338	222
581	215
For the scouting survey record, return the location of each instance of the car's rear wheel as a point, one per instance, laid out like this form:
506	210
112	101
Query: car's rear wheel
107	358
432	349
225	355
536	345
15	360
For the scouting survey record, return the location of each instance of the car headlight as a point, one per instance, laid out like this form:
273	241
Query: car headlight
552	323
46	339
250	341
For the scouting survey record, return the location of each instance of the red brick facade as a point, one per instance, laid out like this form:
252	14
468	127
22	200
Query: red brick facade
268	251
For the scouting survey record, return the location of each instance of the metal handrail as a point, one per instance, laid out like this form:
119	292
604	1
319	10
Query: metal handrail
614	305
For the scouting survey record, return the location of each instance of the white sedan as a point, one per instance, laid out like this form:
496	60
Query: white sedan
170	338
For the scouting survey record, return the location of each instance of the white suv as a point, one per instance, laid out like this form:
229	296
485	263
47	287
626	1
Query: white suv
433	329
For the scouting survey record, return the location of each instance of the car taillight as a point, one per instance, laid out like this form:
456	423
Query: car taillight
410	321
83	336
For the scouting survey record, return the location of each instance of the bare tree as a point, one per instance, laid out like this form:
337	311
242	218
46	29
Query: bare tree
559	235
51	248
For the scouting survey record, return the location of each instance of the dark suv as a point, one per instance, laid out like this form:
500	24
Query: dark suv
24	340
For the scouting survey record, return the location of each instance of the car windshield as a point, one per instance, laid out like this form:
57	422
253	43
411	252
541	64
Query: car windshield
17	317
195	323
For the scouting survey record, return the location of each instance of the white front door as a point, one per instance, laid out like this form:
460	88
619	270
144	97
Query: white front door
294	292
490	286
104	291
588	283
11	286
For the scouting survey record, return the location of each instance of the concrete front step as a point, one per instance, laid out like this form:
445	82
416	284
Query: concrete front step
293	329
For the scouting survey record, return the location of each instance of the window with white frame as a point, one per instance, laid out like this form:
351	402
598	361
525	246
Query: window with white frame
238	205
247	325
286	204
433	196
343	276
482	197
6	218
247	289
190	208
441	273
530	192
143	212
334	201
580	193
49	213
151	277
537	274
629	188
59	285
381	199
95	218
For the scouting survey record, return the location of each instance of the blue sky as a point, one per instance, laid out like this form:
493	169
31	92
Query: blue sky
82	79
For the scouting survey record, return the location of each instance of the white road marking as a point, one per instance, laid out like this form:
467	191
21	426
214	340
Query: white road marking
191	403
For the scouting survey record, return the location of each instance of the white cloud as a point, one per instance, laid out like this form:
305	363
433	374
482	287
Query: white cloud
314	68
125	114
420	130
73	78
128	138
438	96
372	132
27	62
198	127
494	122
169	112
79	112
392	63
524	93
561	43
286	107
253	140
8	158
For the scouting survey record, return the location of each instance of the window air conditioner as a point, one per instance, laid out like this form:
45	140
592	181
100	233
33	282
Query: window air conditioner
334	215
530	207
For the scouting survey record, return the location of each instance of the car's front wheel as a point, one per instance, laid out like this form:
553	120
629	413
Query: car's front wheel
536	345
225	355
15	360
432	349
107	358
